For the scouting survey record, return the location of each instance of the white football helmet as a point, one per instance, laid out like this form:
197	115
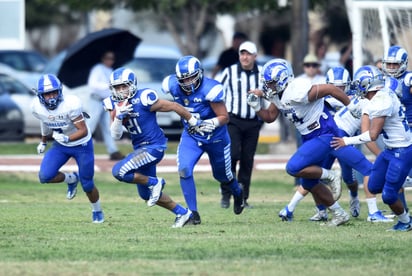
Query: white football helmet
368	78
189	73
339	76
279	72
395	54
47	84
119	77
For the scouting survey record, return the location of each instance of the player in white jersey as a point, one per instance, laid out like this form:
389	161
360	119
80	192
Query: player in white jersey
384	116
62	117
303	104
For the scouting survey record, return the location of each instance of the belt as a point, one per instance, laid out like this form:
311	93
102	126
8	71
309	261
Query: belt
240	118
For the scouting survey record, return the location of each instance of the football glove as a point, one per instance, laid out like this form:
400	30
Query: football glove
254	102
60	137
41	147
123	111
207	126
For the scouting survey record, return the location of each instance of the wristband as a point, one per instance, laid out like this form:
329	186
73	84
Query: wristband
359	139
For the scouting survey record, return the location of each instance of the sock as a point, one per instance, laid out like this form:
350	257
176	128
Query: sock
402	198
70	178
335	206
297	197
325	174
372	206
353	194
179	210
96	206
404	217
321	207
235	187
152	181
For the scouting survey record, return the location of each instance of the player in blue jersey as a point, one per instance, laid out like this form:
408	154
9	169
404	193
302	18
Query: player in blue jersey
204	98
394	64
303	104
62	117
384	116
135	110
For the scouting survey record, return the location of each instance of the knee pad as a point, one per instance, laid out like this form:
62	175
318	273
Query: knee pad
44	178
185	173
389	195
292	169
87	186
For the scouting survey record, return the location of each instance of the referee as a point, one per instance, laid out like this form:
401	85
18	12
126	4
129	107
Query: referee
244	124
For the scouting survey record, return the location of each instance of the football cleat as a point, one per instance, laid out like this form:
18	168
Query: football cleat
195	218
182	220
354	207
285	214
238	202
72	188
339	217
334	183
402	227
155	191
320	216
97	217
378	217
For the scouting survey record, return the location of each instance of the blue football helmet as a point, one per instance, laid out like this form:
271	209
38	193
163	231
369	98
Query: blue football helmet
119	77
279	72
339	76
395	54
368	78
189	73
49	83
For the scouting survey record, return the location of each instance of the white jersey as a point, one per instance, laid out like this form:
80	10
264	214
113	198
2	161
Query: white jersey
395	132
296	107
344	119
61	118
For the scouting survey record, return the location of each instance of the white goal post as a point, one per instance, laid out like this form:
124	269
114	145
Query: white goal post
376	25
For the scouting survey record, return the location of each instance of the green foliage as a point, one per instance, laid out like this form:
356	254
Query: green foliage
42	233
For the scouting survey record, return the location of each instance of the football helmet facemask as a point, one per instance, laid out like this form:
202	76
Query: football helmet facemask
276	75
49	83
123	84
368	78
395	54
189	73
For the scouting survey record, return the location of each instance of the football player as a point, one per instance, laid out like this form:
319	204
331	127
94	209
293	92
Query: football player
62	117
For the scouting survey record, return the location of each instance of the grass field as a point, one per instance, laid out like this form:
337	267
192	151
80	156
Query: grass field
42	233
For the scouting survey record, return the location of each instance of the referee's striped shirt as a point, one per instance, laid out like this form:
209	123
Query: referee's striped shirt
236	84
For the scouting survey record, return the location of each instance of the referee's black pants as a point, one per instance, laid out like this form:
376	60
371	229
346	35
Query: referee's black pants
244	135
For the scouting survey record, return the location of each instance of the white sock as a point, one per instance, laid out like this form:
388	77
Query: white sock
297	197
325	174
96	206
335	206
70	178
404	217
372	206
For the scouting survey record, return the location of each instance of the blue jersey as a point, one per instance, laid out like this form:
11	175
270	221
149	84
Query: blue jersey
141	122
198	104
403	92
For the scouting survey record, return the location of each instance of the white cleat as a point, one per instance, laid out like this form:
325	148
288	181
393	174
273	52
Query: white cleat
155	192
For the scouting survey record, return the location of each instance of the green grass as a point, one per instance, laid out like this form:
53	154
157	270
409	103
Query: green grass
42	233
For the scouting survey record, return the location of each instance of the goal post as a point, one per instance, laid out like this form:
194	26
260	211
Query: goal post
376	25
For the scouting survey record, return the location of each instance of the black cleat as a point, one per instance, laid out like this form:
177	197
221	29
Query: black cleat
195	218
238	203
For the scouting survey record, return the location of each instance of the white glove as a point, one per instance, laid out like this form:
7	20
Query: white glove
407	80
254	102
354	109
123	110
60	137
41	147
208	126
193	121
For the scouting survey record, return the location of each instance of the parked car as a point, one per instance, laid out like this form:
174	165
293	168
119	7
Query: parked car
22	97
11	118
23	60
